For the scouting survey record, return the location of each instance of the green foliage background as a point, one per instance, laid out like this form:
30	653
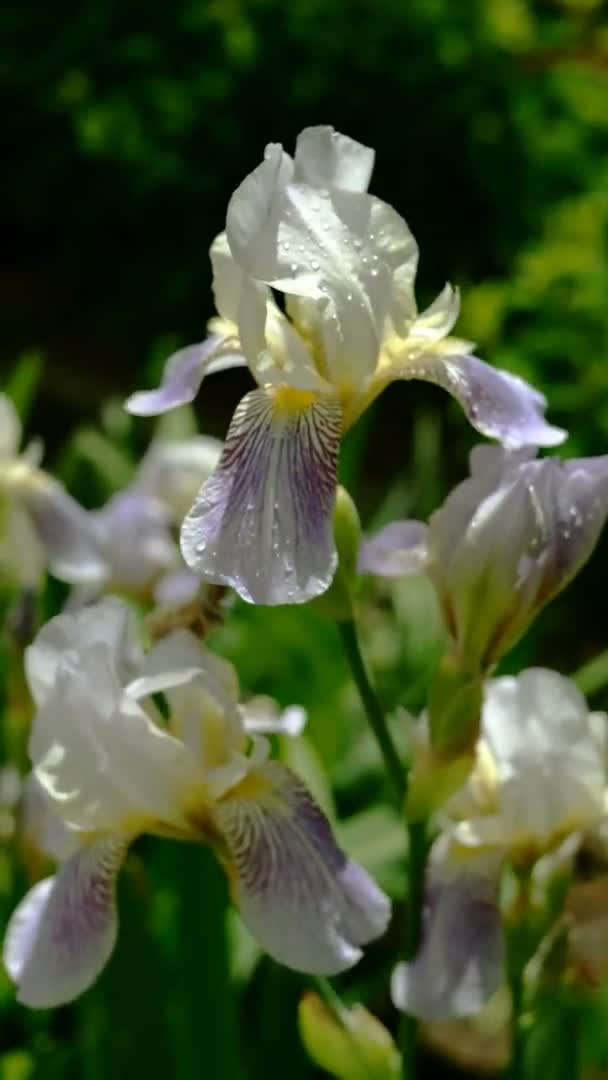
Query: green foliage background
126	128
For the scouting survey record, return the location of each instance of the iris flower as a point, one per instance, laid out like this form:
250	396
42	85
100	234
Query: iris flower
111	770
345	263
504	543
539	783
41	526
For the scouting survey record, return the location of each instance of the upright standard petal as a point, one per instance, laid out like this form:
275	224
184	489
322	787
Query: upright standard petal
325	158
263	522
399	548
107	626
63	932
549	763
460	961
183	375
497	403
335	245
306	903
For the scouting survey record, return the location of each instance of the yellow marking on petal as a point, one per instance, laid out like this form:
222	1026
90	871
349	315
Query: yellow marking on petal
289	400
255	787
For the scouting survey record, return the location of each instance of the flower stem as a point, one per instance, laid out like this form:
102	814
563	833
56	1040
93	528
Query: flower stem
375	715
417	830
593	676
416	870
515	1067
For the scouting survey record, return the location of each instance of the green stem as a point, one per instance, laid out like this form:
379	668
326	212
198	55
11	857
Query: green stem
416	870
394	769
417	830
515	1068
593	676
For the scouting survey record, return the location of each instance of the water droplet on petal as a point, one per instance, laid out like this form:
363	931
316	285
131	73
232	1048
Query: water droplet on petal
314	264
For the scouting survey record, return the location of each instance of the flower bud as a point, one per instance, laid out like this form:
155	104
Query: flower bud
350	1045
337	602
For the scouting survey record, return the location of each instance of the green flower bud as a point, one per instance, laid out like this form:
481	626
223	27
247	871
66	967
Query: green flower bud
350	1044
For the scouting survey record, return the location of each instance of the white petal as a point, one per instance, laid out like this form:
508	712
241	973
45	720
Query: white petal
96	751
63	932
41	826
275	351
108	625
10	429
202	691
308	905
227	280
325	158
254	213
172	470
437	320
263	522
183	375
399	548
262	716
548	763
342	248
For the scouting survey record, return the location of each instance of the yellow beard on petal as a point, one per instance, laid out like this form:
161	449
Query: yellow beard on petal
289	400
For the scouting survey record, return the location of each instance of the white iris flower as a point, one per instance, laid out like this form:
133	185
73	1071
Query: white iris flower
538	785
346	263
112	770
41	526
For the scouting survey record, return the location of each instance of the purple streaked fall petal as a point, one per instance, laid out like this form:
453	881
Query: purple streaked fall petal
308	905
263	521
64	930
460	961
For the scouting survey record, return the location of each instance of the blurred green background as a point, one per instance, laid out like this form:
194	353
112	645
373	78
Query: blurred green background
125	129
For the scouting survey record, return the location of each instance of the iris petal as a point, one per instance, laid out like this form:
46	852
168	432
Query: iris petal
399	548
460	962
309	906
497	403
63	932
183	375
263	522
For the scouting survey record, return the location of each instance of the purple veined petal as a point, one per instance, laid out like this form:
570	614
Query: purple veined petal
325	158
399	548
460	962
66	531
308	905
64	930
183	375
263	522
497	403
